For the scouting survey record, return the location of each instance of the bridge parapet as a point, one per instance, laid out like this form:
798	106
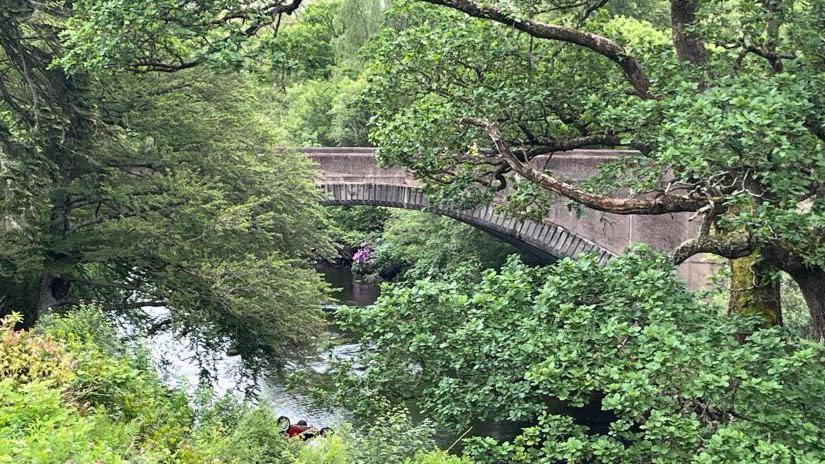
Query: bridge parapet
355	166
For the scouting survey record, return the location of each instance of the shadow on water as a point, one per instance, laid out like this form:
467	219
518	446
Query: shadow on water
346	290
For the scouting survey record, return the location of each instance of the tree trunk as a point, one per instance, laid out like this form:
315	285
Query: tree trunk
753	290
54	289
812	284
688	44
53	292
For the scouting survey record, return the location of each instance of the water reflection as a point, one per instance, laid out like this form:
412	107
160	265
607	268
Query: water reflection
346	290
177	361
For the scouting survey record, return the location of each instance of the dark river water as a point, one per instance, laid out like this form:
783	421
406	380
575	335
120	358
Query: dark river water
348	291
176	362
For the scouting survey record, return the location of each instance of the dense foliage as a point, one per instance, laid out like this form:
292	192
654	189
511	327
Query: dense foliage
398	245
722	105
135	170
415	245
318	65
152	189
72	392
618	363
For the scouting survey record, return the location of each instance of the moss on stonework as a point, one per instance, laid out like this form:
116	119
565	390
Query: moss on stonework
753	291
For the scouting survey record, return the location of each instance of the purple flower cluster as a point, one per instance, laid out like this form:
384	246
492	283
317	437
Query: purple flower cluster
363	255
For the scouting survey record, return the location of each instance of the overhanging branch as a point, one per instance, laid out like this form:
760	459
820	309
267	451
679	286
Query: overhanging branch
550	146
599	44
662	204
254	18
727	246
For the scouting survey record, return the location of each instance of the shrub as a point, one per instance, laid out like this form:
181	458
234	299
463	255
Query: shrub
38	426
390	437
330	450
439	457
72	392
237	432
28	358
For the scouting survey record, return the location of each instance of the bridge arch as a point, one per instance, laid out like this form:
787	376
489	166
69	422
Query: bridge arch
546	241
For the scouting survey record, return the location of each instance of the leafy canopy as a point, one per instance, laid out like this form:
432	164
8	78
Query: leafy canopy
614	363
167	35
720	109
152	189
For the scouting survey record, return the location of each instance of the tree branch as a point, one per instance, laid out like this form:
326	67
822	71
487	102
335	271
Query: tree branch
591	8
599	44
258	17
662	204
549	146
123	214
730	246
95	283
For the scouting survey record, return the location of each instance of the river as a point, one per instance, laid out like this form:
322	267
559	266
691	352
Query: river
176	362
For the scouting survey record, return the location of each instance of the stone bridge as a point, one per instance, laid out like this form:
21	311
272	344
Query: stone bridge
351	176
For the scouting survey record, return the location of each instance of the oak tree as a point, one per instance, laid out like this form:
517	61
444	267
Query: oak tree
721	111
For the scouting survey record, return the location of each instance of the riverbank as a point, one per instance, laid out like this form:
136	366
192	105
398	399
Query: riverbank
178	367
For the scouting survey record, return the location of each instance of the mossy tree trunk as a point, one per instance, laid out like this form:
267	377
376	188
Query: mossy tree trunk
811	281
755	289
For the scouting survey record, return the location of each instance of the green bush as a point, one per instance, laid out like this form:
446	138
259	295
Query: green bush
78	401
439	457
70	391
615	363
391	437
237	432
26	358
330	450
37	426
420	244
